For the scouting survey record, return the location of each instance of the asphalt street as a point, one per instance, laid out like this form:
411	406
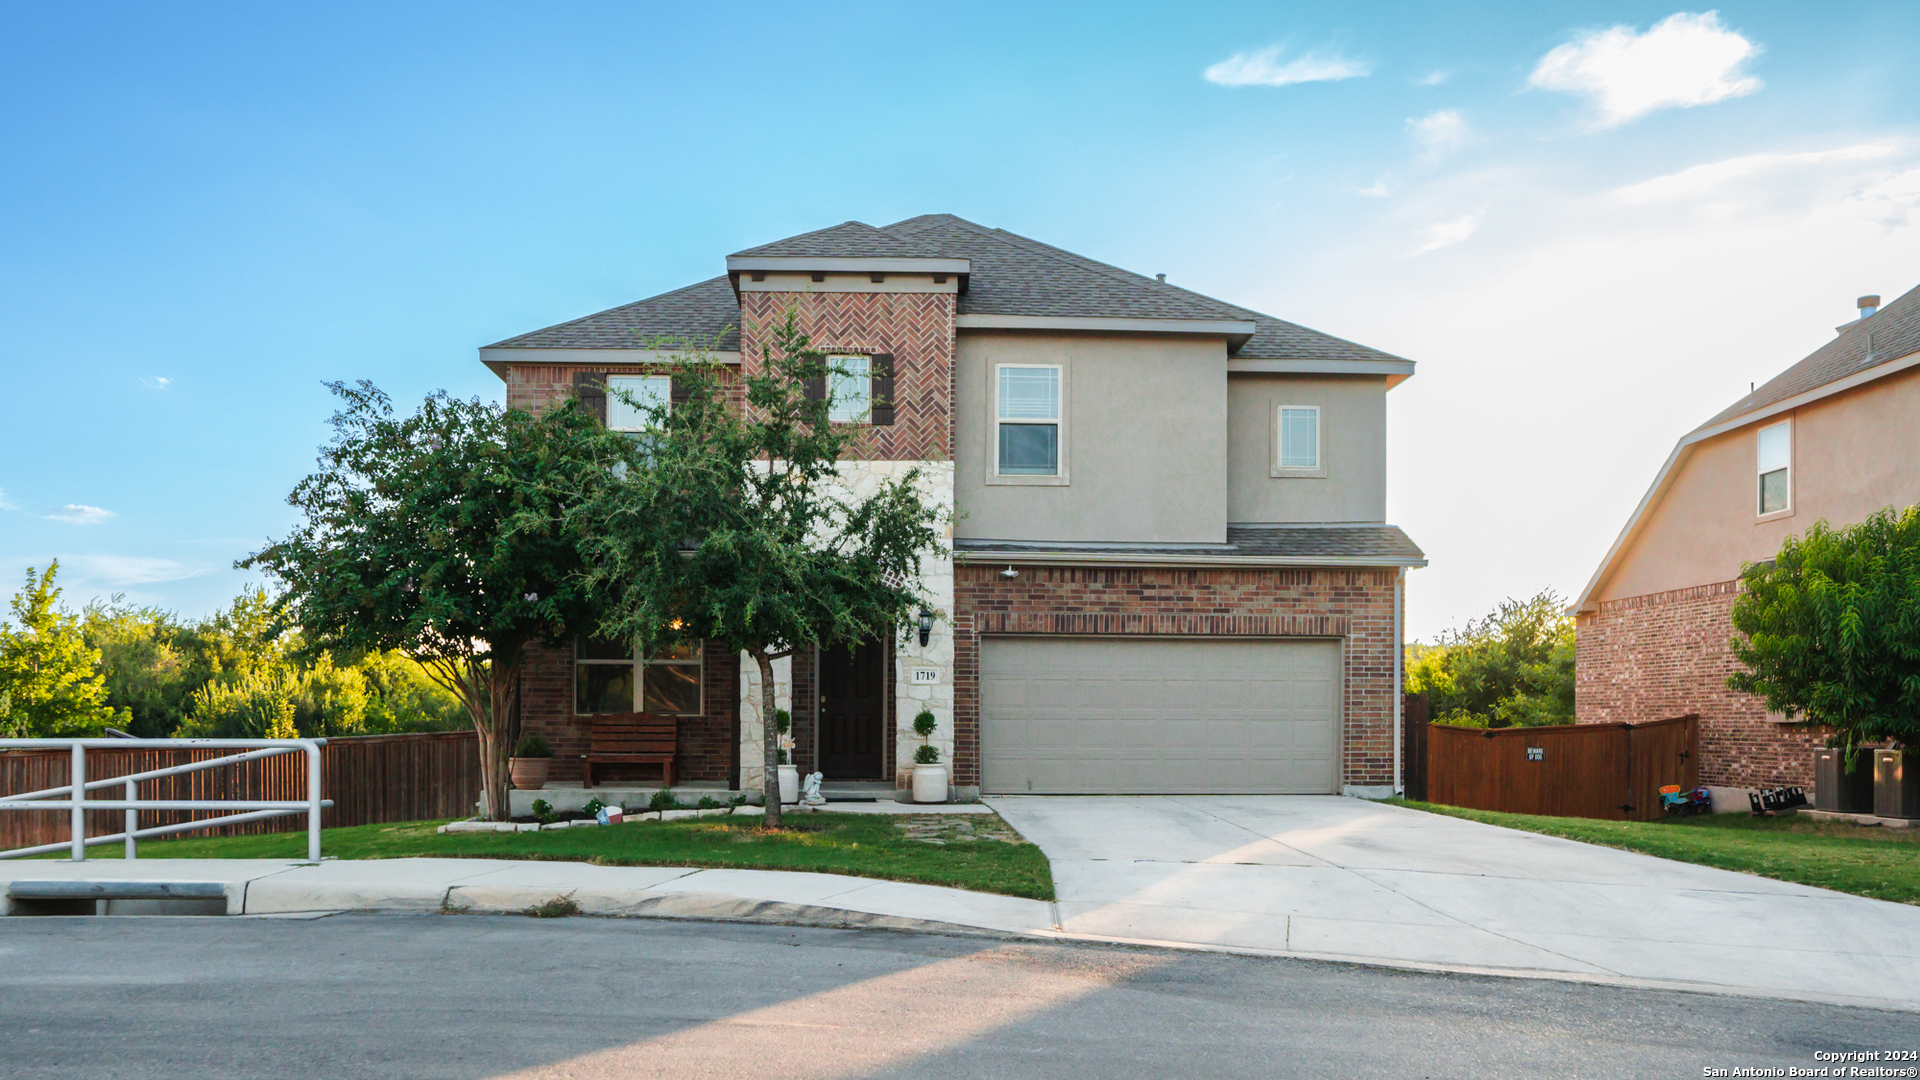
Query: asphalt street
369	996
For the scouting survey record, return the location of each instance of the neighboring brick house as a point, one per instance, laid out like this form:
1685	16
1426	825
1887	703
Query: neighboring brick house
1170	565
1835	437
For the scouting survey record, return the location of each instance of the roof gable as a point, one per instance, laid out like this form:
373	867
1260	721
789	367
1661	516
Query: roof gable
1888	334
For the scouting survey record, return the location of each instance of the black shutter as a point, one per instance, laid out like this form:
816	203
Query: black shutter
591	388
816	385
681	391
880	388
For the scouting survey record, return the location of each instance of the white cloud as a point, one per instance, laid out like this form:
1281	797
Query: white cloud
113	570
80	514
1264	68
1894	201
1448	233
1438	133
1435	78
1685	60
1377	191
158	382
1714	175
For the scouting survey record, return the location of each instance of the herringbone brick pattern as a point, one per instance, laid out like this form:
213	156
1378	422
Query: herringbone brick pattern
917	328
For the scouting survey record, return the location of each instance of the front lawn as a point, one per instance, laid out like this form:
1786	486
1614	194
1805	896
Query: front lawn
1867	861
965	851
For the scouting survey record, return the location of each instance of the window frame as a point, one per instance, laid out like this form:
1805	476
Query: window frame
1276	441
865	379
639	665
1059	477
1761	513
613	398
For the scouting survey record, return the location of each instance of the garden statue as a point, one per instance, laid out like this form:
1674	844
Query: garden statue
810	790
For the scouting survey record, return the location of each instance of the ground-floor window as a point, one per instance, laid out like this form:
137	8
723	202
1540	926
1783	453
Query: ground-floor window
613	677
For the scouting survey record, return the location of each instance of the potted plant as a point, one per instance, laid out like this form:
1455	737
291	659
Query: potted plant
532	757
789	773
929	776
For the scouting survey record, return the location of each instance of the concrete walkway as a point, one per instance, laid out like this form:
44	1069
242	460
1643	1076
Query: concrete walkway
1311	877
1336	878
281	888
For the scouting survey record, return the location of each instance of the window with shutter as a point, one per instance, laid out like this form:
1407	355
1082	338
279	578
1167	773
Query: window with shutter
880	392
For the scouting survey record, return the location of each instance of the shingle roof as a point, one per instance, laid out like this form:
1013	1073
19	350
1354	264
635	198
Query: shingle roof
1888	334
1334	542
848	240
1013	275
700	312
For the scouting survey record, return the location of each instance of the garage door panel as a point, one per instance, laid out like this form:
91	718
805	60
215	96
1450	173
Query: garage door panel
1089	716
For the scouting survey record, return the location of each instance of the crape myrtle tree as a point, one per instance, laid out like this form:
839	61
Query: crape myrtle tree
446	535
737	529
1829	629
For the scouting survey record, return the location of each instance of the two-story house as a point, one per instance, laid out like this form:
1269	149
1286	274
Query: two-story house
1835	437
1170	569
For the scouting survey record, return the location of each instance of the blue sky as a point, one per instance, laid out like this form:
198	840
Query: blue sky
1591	223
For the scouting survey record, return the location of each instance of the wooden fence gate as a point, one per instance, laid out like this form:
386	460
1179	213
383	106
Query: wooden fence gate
1611	771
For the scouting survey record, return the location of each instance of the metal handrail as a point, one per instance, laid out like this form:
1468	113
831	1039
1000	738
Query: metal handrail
258	809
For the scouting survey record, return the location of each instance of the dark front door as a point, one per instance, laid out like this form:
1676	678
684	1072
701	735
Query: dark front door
852	712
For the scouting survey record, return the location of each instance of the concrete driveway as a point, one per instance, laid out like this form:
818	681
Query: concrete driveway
1345	879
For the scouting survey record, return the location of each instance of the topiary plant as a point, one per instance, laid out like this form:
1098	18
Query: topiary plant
924	725
928	754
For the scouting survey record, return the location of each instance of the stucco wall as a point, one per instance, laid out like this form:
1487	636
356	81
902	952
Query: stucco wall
1353	450
1853	453
1144	448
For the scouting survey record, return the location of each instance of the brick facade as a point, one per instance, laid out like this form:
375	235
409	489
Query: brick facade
916	328
706	742
1353	605
1667	654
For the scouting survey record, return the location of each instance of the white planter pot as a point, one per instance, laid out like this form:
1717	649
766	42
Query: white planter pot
929	783
789	783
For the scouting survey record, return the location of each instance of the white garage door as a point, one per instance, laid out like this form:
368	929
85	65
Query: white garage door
1159	716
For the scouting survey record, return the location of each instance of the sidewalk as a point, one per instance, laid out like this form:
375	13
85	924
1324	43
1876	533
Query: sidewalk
280	888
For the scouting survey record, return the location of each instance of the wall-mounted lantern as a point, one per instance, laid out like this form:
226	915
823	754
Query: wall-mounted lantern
926	627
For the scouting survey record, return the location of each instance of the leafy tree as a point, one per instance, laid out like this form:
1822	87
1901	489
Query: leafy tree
1829	630
48	672
737	528
1511	668
444	535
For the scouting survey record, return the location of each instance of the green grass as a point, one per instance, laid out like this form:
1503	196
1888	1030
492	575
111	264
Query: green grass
1867	861
978	852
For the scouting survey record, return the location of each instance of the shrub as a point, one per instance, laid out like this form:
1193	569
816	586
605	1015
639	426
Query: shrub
708	802
542	811
927	754
925	723
532	746
663	800
593	807
1512	668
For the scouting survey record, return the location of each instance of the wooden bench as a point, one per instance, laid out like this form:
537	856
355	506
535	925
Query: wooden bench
632	739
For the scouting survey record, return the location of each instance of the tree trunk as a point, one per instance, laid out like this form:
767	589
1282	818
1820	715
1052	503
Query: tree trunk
496	742
769	739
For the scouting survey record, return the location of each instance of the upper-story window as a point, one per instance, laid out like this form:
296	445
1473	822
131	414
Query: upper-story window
610	677
1027	411
629	396
849	388
1296	441
1776	467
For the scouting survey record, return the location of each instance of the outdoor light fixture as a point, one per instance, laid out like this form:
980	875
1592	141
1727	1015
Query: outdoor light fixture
1009	573
926	627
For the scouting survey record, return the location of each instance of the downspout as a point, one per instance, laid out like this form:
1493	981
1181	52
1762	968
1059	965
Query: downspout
1399	698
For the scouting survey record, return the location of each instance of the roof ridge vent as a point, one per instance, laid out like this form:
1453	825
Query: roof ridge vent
1867	305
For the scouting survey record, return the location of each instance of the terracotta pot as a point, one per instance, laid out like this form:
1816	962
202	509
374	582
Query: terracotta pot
929	783
528	773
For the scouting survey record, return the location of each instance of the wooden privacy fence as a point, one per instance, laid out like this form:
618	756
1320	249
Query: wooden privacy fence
1613	771
370	778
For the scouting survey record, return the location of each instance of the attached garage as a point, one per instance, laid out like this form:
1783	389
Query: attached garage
1118	716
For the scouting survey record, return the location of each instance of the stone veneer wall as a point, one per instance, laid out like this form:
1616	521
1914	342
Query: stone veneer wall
1667	654
546	709
1356	605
